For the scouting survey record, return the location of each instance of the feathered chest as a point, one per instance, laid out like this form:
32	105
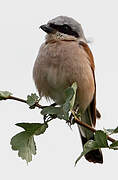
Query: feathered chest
58	65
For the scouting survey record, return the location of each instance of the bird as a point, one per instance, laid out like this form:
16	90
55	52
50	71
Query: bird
65	58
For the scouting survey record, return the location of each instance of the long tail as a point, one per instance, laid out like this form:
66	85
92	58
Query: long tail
94	156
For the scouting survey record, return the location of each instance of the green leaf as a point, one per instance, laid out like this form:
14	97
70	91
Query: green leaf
24	143
111	131
31	100
4	95
42	129
51	110
108	131
33	128
62	112
66	109
89	146
72	102
101	139
115	131
58	111
114	145
69	93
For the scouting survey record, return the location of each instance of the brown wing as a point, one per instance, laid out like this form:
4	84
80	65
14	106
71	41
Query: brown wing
91	60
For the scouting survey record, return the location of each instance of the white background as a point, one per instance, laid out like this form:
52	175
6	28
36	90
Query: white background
20	39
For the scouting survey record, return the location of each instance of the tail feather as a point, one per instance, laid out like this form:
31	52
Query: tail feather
94	156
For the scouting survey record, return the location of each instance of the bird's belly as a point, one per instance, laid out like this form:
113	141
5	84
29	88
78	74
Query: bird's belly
57	82
59	78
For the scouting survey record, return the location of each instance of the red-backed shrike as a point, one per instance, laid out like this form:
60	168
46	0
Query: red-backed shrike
65	58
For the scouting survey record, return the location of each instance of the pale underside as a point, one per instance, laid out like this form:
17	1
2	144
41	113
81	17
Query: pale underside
58	65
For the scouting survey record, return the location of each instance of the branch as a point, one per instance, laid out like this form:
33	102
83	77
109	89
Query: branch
24	101
77	120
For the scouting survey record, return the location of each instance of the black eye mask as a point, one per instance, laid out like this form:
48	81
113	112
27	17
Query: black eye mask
65	29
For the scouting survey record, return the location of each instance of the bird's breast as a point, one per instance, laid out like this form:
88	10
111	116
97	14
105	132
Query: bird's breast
60	64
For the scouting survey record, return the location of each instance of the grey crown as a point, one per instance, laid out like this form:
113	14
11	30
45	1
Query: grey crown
75	26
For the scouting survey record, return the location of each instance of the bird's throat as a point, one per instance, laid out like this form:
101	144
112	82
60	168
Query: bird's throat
59	37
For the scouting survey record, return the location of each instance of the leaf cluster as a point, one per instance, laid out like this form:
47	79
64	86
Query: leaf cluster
100	141
24	142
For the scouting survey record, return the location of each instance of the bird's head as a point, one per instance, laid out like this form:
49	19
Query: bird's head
63	28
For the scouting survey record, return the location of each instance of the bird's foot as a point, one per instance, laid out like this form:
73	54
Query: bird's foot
49	117
71	120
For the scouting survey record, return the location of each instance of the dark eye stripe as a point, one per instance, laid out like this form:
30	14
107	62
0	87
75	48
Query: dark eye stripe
65	29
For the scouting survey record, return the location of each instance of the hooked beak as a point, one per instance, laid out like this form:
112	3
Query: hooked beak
47	28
